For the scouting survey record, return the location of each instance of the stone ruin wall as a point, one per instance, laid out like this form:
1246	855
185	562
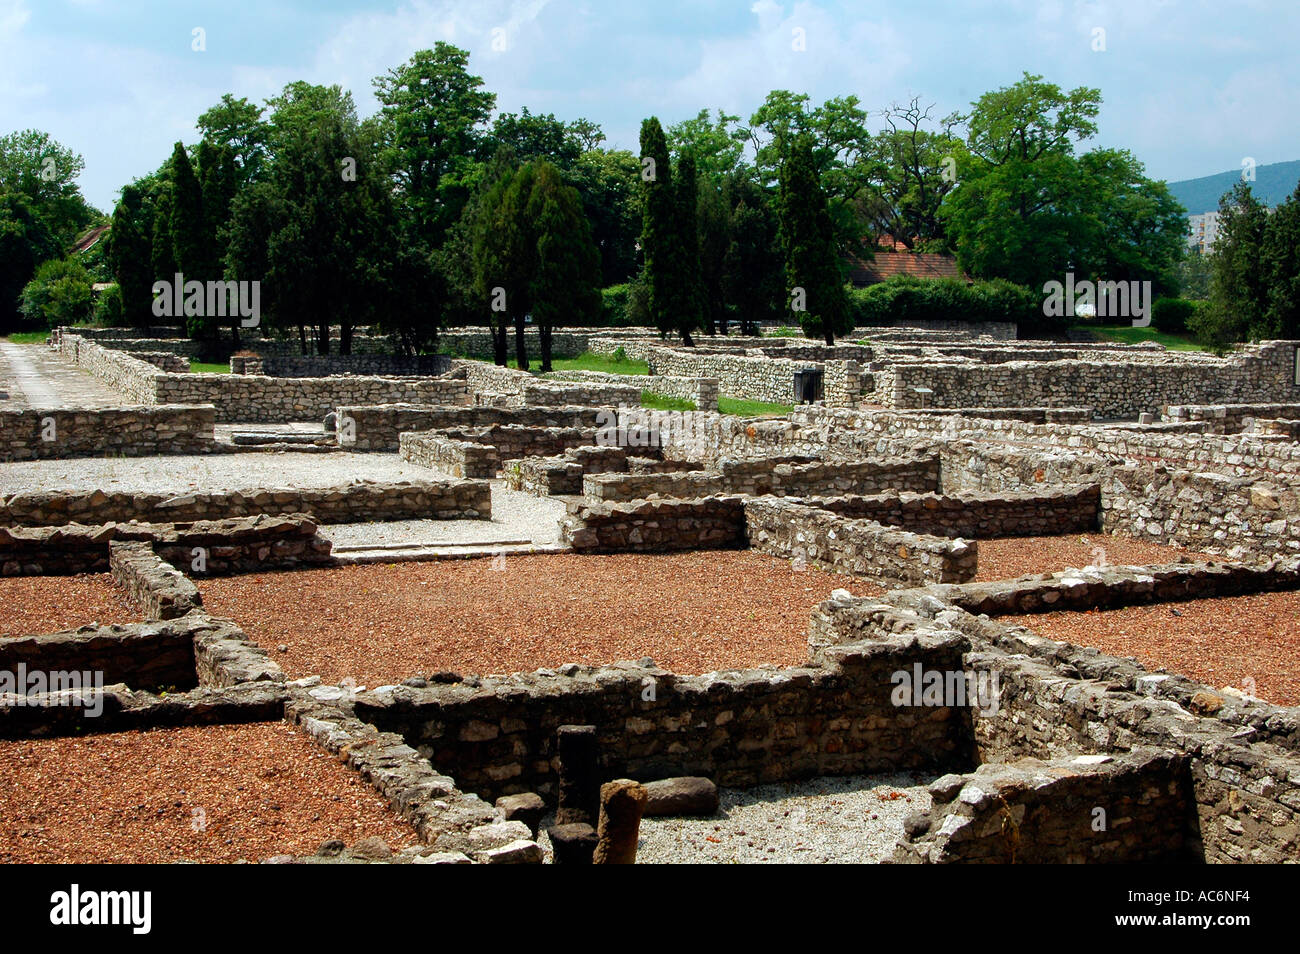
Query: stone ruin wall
740	727
1114	388
255	398
378	427
349	503
702	392
776	476
102	432
238	545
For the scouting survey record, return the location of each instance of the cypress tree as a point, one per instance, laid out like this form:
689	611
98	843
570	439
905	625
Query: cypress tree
808	240
566	282
129	255
689	314
188	231
658	232
162	253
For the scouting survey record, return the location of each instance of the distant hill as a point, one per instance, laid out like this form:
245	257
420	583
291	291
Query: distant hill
1273	183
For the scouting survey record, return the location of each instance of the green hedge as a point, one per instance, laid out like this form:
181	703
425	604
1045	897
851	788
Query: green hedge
903	298
622	306
1173	315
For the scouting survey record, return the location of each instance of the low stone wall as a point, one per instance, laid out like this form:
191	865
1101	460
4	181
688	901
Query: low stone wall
549	476
1107	587
702	392
1127	808
862	548
975	515
1230	418
1116	387
1030	415
103	432
776	476
950	328
739	728
563	394
164	360
713	523
709	438
161	590
346	503
322	366
204	548
153	655
756	378
482	452
565	342
485	378
1053	700
1149	499
122	372
255	398
377	428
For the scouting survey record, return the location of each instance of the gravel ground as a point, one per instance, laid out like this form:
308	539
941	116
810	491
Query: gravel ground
515	516
35	605
1010	557
379	624
206	472
853	819
1221	642
199	793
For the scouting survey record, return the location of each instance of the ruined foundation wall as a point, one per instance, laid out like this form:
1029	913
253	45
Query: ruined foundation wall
106	432
740	728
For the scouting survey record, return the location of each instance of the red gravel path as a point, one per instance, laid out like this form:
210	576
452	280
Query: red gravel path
690	612
1221	642
36	605
144	797
1010	557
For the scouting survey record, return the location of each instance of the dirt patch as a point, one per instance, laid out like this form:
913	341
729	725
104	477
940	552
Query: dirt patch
1249	642
201	793
36	605
1010	557
379	624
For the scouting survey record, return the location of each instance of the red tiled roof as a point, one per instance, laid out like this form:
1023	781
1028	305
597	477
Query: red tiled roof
87	241
890	263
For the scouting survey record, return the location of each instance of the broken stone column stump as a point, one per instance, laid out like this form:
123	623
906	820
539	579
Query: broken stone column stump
579	788
621	803
572	844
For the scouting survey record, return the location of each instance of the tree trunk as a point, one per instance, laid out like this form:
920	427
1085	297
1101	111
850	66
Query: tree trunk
521	346
544	336
302	339
345	337
498	328
830	334
323	338
686	338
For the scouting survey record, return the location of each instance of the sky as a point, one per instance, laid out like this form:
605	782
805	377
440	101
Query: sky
1192	87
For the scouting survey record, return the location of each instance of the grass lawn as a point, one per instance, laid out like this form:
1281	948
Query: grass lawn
203	367
1127	334
661	402
27	337
745	408
584	362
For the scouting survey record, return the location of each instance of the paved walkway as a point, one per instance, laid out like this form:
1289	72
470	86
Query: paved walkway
34	376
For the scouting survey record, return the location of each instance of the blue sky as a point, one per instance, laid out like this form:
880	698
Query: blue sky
1191	86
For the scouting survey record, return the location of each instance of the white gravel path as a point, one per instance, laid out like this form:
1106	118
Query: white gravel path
855	819
206	472
515	516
